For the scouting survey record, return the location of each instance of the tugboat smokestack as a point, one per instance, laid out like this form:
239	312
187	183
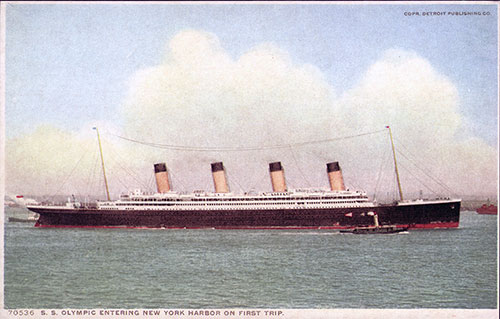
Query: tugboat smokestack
335	176
219	176
161	175
277	177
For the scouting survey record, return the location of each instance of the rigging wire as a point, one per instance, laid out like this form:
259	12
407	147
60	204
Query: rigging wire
126	170
239	149
423	170
151	182
383	164
95	175
395	191
446	188
91	177
141	183
429	188
233	180
71	173
304	177
100	182
121	182
260	181
175	180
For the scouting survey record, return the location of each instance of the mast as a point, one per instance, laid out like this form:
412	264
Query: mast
395	164
102	162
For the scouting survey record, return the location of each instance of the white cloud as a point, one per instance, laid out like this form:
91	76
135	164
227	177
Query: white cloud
208	99
36	162
51	161
406	92
200	96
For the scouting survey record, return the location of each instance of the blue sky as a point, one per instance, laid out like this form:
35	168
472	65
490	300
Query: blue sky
70	63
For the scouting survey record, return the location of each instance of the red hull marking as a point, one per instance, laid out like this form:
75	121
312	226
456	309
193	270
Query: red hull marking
106	227
415	226
431	226
142	227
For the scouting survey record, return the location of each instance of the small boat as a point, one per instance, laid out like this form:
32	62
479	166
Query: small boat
376	229
487	209
21	201
30	219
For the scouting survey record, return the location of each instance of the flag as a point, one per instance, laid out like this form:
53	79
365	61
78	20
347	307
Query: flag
348	215
19	196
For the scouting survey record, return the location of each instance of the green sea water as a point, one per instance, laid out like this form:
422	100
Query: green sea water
132	268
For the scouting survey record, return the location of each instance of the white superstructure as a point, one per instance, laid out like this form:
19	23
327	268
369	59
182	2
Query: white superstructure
294	199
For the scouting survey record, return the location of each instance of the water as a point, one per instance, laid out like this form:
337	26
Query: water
127	268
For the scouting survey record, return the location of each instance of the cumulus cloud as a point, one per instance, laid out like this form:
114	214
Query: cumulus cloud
225	100
36	162
200	96
50	161
402	89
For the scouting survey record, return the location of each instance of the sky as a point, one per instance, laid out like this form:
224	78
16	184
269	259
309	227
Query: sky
232	75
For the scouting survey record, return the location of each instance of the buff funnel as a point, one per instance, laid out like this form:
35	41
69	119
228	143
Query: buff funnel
335	176
161	175
277	177
219	176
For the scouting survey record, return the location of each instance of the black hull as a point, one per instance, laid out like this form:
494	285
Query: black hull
428	215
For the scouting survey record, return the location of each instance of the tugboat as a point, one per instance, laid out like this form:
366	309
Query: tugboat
376	229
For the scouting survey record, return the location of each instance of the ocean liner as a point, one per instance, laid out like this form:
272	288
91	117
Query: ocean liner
283	208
